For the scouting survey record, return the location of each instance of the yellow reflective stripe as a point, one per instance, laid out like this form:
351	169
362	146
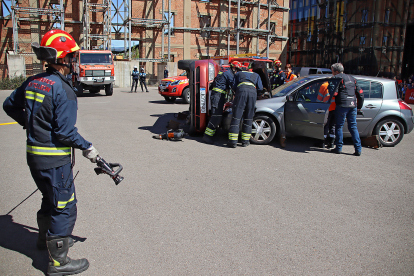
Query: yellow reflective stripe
246	83
48	150
233	136
219	90
62	204
59	53
75	48
245	136
210	131
35	96
50	40
219	73
55	263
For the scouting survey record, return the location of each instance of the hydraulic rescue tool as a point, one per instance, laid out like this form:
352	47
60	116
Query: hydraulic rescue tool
107	168
171	135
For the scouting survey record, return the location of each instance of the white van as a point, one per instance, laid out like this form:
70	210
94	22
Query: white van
304	71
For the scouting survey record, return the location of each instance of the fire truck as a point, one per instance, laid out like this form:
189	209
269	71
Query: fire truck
94	70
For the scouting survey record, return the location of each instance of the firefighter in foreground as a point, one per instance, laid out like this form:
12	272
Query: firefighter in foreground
46	106
279	77
221	84
247	86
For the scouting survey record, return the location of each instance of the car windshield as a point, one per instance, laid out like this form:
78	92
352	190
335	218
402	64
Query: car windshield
95	58
283	90
183	73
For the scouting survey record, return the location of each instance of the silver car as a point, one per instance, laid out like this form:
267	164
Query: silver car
294	111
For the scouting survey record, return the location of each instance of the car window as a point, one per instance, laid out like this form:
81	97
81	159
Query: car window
286	88
365	86
309	92
376	90
183	73
313	71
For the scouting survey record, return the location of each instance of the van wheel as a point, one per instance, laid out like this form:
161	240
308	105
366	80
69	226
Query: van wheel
170	99
390	132
186	95
263	130
79	88
109	89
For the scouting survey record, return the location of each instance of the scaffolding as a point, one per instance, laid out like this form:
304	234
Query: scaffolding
21	11
91	10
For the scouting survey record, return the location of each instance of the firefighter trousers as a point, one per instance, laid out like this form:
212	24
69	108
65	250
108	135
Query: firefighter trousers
59	198
217	103
243	107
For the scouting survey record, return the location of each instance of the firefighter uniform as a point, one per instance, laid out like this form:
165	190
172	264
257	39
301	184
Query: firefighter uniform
278	78
46	106
247	85
222	82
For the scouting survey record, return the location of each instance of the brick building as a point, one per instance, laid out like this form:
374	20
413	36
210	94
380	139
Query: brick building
370	37
193	30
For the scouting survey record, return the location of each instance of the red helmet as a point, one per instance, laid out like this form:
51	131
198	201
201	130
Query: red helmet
61	41
278	63
236	64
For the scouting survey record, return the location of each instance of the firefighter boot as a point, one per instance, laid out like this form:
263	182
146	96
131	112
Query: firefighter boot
60	264
208	139
43	222
330	142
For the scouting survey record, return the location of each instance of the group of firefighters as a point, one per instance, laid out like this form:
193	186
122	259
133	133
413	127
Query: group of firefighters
247	86
46	106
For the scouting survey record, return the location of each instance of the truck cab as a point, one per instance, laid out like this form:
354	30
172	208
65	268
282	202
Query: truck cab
93	70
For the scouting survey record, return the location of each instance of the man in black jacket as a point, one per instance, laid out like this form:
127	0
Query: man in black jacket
349	98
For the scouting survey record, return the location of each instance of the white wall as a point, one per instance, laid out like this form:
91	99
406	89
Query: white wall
16	65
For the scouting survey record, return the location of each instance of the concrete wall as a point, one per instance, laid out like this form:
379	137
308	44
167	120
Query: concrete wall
16	65
123	71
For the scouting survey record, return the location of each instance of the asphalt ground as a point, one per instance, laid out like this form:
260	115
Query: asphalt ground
188	208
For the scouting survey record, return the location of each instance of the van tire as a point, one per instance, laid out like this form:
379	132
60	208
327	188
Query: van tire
109	89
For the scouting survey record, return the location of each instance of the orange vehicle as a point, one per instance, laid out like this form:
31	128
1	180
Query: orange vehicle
172	88
94	70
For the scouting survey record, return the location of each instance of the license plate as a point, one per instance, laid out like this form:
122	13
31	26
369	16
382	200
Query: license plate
203	108
99	80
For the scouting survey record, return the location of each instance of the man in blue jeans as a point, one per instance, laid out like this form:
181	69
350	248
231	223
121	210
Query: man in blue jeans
349	98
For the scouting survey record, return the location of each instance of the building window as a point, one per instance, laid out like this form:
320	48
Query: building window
362	40
171	20
364	18
205	22
272	28
309	39
387	16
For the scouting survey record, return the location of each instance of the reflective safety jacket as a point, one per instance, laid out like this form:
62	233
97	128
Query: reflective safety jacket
244	79
279	78
223	81
348	94
46	106
290	76
142	76
135	74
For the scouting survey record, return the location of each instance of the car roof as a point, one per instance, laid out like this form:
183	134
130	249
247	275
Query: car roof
314	77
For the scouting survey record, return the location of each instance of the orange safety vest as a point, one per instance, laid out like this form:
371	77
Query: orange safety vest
290	76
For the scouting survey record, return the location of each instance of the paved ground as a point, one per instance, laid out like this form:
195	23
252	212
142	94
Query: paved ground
187	208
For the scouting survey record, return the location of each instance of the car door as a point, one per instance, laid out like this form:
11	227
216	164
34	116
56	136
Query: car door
372	104
305	115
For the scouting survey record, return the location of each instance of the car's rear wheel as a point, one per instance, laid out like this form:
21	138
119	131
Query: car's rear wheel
390	132
170	99
263	130
186	95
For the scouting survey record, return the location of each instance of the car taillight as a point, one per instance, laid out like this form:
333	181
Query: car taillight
404	105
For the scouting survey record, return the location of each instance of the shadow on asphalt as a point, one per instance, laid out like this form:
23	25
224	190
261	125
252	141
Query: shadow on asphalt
17	237
180	102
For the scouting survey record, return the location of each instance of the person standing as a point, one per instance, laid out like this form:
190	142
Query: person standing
46	106
142	78
279	77
247	86
165	72
329	127
221	84
135	76
349	98
289	76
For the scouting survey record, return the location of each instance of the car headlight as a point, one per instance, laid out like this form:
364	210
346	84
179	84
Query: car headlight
175	82
210	71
